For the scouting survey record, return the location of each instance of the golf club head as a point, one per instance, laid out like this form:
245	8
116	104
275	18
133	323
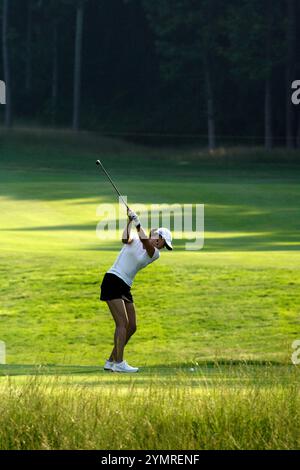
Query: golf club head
98	162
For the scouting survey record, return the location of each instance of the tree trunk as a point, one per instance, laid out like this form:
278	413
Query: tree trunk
77	66
6	66
210	106
290	71
268	81
28	70
54	87
268	114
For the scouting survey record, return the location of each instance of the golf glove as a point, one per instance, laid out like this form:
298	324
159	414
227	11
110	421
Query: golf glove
132	216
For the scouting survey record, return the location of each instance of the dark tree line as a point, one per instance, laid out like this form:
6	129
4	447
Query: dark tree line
214	68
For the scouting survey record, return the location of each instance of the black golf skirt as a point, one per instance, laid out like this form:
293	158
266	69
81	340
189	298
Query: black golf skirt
113	287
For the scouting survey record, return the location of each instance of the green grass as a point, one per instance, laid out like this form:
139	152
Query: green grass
235	301
214	407
238	298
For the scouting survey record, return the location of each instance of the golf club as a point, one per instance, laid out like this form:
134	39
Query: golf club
98	163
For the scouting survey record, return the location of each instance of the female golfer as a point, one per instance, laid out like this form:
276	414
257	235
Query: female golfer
138	252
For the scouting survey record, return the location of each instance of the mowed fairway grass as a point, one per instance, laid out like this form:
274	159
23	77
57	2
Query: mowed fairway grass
215	326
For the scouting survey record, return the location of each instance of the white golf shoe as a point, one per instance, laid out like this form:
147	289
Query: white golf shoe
123	367
108	365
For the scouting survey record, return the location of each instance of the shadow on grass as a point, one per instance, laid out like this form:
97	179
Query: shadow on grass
270	239
277	241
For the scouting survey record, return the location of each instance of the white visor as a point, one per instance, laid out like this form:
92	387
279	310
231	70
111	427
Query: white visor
166	235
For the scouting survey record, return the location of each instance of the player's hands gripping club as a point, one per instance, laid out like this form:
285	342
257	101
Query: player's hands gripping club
133	216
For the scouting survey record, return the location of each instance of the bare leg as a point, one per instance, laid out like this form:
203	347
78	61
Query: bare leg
130	330
119	313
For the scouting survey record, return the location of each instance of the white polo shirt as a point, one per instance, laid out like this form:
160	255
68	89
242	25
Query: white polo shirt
132	258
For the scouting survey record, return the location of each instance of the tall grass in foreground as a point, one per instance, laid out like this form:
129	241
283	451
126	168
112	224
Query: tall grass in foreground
48	414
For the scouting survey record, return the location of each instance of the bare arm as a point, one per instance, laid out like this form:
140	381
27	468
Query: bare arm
126	233
145	241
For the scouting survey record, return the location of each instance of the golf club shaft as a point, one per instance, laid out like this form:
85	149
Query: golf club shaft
113	184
